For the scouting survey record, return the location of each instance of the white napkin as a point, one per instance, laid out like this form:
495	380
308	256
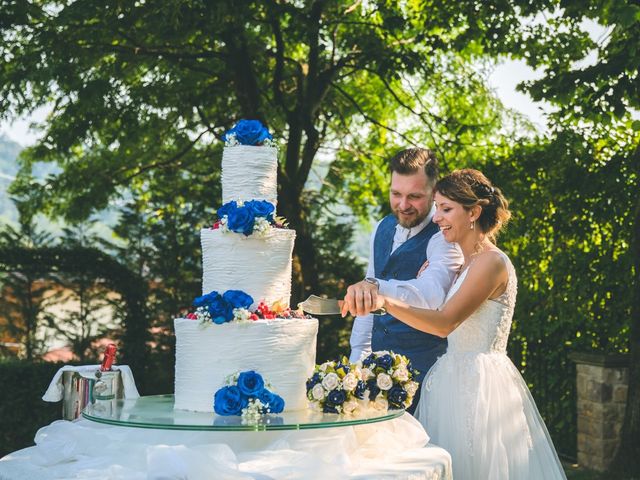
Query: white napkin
54	392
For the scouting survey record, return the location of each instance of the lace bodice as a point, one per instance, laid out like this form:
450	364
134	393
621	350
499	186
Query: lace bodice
487	329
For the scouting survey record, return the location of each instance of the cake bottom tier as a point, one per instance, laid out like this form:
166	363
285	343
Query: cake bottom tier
283	351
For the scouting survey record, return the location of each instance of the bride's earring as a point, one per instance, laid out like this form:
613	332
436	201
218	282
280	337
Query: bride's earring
472	225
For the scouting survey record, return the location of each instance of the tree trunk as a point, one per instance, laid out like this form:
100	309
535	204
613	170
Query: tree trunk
626	463
305	269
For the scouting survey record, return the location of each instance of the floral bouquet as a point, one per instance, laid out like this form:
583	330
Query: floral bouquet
383	381
389	379
254	216
336	386
246	394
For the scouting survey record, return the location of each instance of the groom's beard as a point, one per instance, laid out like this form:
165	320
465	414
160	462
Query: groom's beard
411	217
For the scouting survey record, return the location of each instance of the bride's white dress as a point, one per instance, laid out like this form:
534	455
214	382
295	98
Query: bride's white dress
476	405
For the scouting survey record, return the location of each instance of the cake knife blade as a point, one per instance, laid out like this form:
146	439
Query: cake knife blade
326	306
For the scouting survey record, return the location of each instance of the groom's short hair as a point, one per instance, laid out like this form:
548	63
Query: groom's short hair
412	160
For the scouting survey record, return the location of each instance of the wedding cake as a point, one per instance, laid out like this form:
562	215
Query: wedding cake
243	322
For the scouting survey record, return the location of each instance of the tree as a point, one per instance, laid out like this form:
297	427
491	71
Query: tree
142	88
598	99
24	290
93	313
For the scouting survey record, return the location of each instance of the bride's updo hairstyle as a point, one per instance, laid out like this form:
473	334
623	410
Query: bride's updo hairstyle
470	188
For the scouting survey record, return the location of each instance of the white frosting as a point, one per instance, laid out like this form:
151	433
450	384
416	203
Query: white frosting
249	173
259	266
282	351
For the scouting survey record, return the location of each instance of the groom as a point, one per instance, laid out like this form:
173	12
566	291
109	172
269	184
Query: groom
400	244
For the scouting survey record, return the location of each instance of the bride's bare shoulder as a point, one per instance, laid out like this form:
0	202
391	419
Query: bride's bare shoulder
492	260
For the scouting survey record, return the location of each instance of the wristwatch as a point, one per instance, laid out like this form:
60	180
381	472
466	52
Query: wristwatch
373	281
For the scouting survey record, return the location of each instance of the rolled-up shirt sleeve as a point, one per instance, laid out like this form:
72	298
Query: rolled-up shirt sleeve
363	325
430	289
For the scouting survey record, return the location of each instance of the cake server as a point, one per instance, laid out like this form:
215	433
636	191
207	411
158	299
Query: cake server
325	306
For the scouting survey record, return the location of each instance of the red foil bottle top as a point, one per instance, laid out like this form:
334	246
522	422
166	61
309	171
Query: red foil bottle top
109	357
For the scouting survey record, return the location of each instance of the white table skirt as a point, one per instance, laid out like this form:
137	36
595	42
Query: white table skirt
86	450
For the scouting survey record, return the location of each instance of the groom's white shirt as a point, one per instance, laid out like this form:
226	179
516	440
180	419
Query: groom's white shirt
427	291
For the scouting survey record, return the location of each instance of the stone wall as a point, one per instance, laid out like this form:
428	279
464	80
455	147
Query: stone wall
602	384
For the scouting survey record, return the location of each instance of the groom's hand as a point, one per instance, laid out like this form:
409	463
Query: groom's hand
361	298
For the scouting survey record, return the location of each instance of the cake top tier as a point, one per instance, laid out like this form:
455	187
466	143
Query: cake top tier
249	164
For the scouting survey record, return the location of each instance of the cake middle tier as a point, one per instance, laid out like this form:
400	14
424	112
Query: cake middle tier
257	265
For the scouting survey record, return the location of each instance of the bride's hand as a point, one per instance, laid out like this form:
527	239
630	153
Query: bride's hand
423	268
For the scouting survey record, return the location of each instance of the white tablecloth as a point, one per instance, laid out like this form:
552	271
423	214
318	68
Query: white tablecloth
87	450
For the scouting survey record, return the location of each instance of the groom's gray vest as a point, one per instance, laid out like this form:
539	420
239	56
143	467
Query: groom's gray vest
404	263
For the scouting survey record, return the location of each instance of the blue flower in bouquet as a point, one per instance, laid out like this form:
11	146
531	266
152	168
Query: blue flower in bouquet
360	390
370	360
336	397
227	208
397	396
342	368
229	401
251	383
261	208
241	220
238	298
274	402
385	361
248	132
373	388
313	380
205	300
329	408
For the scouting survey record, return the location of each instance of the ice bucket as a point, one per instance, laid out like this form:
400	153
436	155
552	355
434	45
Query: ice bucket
81	389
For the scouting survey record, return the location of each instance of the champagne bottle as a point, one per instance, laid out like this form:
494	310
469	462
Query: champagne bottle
109	357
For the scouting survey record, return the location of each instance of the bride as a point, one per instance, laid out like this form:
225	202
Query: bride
474	402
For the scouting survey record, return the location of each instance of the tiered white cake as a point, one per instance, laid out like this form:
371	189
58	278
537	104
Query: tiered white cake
282	350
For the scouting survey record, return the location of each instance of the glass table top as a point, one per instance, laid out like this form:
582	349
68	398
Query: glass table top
157	411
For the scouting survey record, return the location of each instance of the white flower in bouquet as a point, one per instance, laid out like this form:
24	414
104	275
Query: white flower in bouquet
331	381
401	373
323	367
318	392
411	388
384	381
349	382
366	374
381	403
350	406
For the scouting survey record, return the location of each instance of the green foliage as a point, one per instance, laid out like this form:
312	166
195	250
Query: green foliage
569	241
61	260
22	409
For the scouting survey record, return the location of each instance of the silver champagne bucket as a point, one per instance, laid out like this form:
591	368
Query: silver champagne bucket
82	389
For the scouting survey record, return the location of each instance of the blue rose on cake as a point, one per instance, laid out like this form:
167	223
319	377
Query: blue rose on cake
248	396
248	132
241	220
230	401
261	208
238	298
